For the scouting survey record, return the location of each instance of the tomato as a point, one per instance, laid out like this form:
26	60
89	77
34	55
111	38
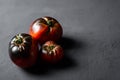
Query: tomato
45	29
51	52
23	50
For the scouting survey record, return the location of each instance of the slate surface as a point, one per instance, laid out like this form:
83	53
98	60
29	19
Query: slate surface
91	38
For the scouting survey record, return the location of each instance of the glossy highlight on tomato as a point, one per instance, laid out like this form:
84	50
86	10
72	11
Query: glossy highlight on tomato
45	29
23	50
51	52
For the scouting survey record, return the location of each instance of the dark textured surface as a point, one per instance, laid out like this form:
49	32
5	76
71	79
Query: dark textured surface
91	38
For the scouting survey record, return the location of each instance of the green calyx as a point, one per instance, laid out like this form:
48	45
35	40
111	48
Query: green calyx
18	40
49	48
50	23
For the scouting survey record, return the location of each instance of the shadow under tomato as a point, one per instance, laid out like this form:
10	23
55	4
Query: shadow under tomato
41	67
69	43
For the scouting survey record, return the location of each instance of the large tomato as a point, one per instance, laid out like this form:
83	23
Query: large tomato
46	28
23	50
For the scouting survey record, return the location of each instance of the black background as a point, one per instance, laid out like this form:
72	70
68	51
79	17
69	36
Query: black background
91	38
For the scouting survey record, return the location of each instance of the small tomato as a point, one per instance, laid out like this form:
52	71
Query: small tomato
51	52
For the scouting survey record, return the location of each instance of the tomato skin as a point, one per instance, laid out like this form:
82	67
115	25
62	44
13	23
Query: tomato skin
38	29
45	29
23	50
51	52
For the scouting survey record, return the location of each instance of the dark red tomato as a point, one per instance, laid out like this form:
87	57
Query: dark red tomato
45	29
51	52
23	50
